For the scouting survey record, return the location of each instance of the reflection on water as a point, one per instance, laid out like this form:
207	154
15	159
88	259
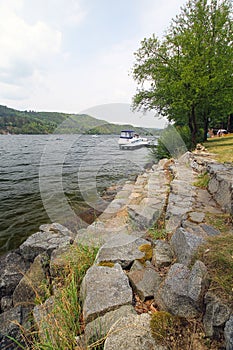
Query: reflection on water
47	178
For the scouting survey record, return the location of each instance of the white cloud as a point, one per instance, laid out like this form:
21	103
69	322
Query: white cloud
156	15
26	49
74	14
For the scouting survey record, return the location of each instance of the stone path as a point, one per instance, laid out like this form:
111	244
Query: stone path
135	208
139	206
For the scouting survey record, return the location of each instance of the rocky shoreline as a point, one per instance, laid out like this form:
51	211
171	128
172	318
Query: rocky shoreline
130	266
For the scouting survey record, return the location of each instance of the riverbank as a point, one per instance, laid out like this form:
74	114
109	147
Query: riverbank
145	264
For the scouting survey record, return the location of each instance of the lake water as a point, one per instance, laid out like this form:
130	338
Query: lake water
55	178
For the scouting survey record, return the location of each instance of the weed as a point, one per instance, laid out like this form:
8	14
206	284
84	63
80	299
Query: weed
202	181
167	329
217	255
223	221
176	332
60	325
157	234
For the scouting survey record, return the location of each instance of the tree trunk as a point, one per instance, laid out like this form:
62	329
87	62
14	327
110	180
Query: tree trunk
190	125
206	126
193	126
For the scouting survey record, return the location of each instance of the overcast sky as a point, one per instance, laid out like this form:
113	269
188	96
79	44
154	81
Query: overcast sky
72	55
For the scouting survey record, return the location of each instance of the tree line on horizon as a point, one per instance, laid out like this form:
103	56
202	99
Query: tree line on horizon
13	121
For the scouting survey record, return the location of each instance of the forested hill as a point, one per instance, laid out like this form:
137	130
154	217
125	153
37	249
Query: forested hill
29	122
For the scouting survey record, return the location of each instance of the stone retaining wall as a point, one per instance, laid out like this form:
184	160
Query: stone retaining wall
221	185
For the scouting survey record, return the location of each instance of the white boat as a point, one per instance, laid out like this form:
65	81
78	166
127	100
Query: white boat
131	140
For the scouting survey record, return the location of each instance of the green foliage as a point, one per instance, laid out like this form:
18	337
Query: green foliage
190	70
217	255
202	181
59	328
157	233
30	122
173	142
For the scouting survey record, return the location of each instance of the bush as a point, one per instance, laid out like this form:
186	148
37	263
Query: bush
173	142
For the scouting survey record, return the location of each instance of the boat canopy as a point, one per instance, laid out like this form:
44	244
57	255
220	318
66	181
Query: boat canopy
127	134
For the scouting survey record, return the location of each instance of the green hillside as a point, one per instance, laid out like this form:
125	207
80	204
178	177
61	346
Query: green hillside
29	122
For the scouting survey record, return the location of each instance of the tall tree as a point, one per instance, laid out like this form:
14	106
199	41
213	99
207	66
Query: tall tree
188	75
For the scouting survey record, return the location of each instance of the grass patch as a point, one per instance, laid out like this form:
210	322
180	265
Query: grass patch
222	147
60	326
158	230
223	221
217	255
202	180
175	332
156	233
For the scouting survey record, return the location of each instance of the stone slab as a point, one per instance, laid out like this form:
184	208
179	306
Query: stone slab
104	289
122	249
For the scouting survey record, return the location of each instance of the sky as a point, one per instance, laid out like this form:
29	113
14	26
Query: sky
76	56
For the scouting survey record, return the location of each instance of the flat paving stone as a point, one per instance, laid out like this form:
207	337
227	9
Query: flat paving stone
104	289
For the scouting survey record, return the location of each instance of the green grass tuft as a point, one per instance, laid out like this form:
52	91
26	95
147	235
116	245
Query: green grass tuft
217	255
59	328
202	181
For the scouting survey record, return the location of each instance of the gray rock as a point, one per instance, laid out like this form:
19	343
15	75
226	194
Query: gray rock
213	185
12	268
59	260
163	254
144	217
182	187
99	328
145	282
196	216
221	185
224	195
210	230
186	158
173	222
198	283
182	291
6	303
216	314
132	333
10	322
33	284
228	333
42	315
43	242
185	245
176	210
193	228
57	228
123	249
104	289
136	266
97	234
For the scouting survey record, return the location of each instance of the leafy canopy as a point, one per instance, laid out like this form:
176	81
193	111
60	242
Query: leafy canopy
188	75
